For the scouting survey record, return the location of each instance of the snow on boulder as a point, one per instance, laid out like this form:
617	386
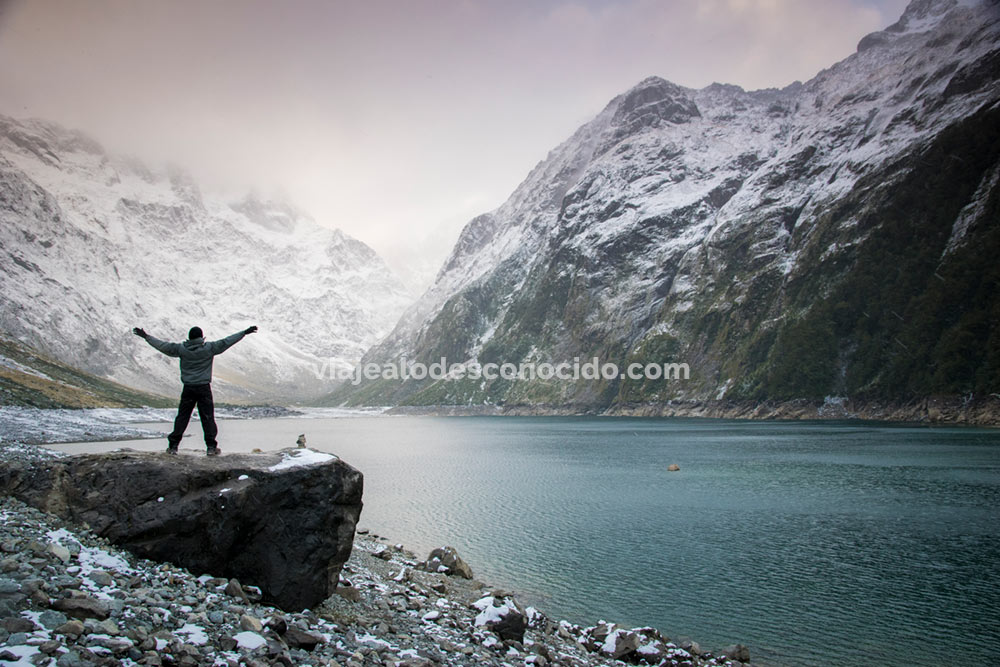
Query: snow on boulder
501	616
447	561
620	643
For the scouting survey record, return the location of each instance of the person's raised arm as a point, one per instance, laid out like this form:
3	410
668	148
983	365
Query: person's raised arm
220	346
169	349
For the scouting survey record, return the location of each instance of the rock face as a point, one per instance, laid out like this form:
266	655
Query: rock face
82	228
832	238
283	521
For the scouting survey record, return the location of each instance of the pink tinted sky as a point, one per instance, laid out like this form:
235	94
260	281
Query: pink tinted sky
395	120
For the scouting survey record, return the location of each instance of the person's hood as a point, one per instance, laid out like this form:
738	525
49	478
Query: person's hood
194	342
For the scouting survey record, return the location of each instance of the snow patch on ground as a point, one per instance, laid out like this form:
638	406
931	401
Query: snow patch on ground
249	640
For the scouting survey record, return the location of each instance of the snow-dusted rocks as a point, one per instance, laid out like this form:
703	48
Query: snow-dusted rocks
447	561
502	616
283	521
160	614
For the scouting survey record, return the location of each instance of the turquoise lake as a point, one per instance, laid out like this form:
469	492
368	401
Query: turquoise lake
829	543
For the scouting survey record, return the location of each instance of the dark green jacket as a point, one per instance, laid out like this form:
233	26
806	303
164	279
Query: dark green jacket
196	355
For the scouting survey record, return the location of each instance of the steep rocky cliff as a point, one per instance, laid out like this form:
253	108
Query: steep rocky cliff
833	238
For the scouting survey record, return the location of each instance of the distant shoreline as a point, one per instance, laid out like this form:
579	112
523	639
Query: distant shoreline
938	411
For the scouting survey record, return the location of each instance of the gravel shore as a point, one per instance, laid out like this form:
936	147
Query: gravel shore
69	598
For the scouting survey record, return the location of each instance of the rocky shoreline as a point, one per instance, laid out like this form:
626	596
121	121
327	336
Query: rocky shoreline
935	410
57	425
69	598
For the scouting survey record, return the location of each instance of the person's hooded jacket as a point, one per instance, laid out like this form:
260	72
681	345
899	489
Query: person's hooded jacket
196	355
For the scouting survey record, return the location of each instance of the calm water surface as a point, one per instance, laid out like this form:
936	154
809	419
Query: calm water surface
813	543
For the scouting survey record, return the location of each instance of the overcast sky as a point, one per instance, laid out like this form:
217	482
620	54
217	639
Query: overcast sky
395	120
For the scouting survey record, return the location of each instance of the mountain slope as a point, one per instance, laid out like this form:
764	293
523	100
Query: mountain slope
833	238
30	379
94	244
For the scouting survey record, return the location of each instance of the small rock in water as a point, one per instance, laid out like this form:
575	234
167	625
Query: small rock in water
673	467
301	442
737	652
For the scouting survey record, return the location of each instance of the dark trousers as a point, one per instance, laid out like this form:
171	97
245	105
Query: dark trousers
200	395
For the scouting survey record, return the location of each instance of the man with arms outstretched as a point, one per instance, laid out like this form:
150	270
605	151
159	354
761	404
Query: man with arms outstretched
196	373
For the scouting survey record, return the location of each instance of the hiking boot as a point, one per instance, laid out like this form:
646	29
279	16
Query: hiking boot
212	451
171	449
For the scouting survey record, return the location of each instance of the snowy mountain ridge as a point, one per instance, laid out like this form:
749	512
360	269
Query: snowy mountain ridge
687	220
96	244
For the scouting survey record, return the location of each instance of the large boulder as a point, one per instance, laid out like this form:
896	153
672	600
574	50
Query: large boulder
283	521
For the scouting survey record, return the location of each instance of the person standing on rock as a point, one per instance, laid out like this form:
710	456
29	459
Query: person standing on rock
196	373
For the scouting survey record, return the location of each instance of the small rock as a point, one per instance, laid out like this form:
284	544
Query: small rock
107	627
349	593
673	467
59	551
101	578
17	624
74	628
49	647
73	659
301	441
298	638
251	624
235	590
278	624
620	643
51	619
449	559
63	581
691	647
86	607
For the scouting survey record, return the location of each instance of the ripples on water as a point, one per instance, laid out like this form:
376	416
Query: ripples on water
815	544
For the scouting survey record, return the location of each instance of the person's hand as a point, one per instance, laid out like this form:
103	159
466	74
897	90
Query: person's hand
251	330
140	332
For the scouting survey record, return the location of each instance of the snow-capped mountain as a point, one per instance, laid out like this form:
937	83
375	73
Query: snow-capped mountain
94	244
789	243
